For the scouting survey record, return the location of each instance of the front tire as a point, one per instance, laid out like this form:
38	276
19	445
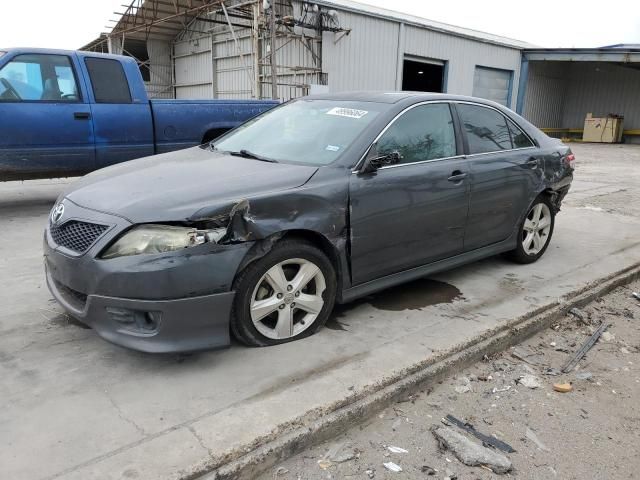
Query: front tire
535	232
286	295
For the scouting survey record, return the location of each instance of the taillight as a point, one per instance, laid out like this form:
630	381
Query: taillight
570	160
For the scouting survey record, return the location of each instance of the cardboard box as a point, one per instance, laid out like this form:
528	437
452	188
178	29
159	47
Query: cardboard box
603	129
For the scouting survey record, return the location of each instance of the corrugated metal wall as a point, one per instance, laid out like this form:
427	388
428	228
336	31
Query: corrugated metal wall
602	88
193	67
560	94
365	59
462	56
160	69
545	94
368	57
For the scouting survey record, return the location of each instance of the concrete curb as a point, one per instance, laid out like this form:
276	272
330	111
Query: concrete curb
289	443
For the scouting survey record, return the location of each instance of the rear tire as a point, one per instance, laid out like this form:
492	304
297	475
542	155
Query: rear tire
284	296
534	234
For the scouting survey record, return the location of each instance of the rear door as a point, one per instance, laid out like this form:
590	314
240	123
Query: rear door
46	126
414	212
123	124
505	174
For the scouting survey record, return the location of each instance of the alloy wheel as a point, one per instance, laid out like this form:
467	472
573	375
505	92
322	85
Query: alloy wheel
536	229
287	299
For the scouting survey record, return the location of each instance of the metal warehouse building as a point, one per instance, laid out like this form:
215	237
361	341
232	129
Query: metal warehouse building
223	49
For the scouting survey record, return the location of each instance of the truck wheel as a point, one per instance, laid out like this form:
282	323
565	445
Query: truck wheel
286	295
535	232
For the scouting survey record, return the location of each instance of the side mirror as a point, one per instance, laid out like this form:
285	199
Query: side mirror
374	161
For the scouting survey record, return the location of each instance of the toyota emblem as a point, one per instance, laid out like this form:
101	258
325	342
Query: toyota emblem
57	213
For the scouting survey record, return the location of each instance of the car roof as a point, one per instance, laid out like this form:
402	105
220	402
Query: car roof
396	97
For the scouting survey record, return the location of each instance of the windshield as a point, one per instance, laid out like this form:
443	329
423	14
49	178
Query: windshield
313	132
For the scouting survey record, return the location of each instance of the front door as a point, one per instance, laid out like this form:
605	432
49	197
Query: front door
414	212
46	121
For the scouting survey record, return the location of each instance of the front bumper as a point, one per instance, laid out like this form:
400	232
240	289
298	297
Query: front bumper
175	302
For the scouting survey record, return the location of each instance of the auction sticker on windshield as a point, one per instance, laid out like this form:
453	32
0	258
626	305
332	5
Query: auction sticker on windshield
347	112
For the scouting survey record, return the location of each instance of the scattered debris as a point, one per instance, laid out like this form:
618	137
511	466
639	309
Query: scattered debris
337	454
469	452
450	474
636	295
486	439
585	348
498	390
579	314
584	376
393	449
280	471
562	387
608	337
464	386
552	371
371	472
392	467
529	381
624	350
530	434
428	470
527	355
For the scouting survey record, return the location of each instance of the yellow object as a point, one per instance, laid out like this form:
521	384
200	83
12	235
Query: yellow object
602	129
562	387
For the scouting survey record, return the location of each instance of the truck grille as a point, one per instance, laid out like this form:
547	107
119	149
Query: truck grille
77	236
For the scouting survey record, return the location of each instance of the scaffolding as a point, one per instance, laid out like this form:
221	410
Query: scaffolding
224	48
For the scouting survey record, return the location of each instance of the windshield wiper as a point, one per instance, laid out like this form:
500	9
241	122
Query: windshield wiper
247	154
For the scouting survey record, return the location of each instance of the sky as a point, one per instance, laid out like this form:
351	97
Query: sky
546	23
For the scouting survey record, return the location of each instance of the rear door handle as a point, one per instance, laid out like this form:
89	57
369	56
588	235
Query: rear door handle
457	176
532	162
81	115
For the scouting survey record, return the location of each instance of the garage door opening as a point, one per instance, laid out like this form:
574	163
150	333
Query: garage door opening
423	76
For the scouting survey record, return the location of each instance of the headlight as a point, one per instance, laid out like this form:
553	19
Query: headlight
160	239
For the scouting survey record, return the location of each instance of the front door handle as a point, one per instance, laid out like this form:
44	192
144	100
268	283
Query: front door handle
457	176
81	115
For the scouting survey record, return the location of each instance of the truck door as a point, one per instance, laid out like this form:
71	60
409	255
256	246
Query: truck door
120	109
46	119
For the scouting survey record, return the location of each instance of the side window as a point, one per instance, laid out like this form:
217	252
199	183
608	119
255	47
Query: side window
518	137
108	80
43	78
423	133
486	129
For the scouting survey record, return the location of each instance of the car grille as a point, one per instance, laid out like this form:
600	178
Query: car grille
77	236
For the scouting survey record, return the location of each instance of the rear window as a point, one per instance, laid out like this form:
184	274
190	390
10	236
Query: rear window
519	138
486	129
108	80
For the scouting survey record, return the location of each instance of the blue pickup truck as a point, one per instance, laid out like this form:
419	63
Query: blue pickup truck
66	113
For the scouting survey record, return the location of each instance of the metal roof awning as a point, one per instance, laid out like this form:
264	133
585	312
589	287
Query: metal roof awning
604	54
165	19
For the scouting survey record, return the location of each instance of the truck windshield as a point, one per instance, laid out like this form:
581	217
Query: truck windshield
314	132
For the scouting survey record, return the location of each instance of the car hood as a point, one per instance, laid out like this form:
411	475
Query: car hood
175	186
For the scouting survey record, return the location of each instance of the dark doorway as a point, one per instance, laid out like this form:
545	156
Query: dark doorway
422	77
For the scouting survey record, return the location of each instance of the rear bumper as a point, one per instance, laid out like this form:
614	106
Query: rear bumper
153	326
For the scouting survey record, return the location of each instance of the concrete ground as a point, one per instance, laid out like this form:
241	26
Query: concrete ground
590	432
73	406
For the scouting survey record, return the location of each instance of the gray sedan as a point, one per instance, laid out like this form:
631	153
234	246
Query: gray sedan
321	200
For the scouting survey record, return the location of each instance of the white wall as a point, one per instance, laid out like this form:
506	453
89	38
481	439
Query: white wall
368	57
